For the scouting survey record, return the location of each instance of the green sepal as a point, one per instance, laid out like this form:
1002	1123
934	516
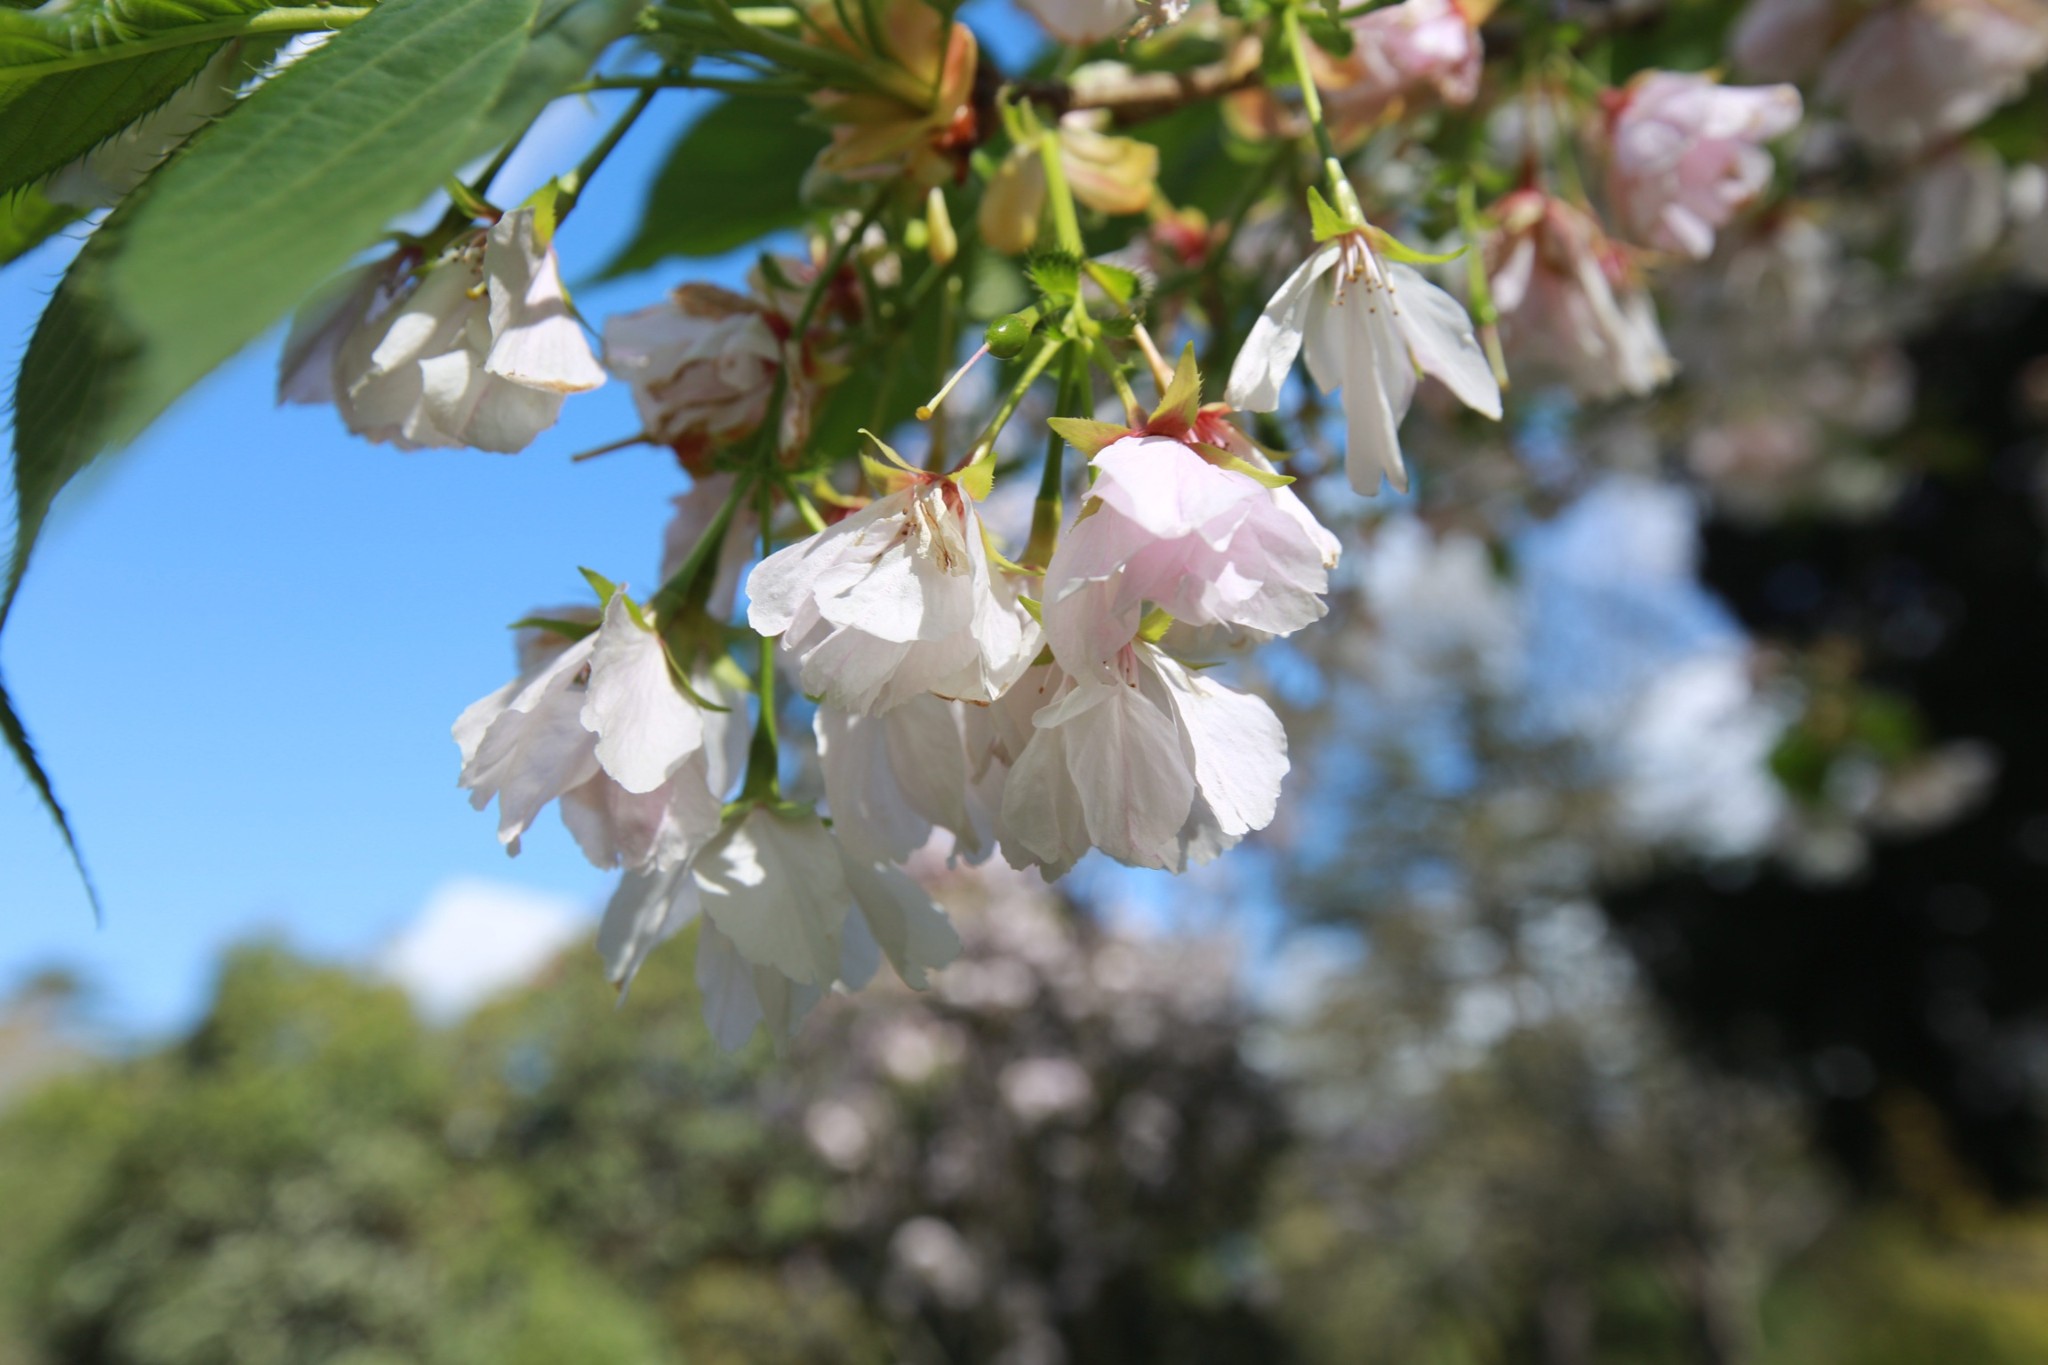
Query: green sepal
1087	435
546	203
599	584
1237	464
1324	221
1119	283
1004	562
1057	276
1183	397
555	625
886	477
1393	249
978	479
1031	605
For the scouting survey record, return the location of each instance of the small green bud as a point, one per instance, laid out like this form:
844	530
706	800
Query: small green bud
1008	336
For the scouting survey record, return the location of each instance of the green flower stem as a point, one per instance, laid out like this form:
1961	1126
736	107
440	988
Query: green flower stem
1066	223
1050	507
683	589
574	181
297	19
1311	98
764	752
1034	368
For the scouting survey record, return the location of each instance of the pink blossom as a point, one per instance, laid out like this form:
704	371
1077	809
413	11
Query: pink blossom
1920	71
1785	40
1571	306
1417	48
1688	156
1208	544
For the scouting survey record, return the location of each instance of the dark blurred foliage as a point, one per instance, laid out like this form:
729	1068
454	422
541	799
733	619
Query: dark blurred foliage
1923	975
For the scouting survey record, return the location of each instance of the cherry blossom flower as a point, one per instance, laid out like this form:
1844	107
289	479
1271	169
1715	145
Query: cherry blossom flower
1113	175
1366	326
1157	766
702	364
920	122
772	890
1785	40
1571	305
1082	23
897	600
1687	155
1416	49
600	725
481	352
1187	524
1921	70
890	780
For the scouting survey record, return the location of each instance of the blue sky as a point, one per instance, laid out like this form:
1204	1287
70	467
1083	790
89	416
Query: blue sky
243	640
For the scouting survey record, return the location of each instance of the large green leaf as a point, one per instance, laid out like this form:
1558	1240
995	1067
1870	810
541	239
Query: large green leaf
730	180
50	123
255	212
48	120
27	220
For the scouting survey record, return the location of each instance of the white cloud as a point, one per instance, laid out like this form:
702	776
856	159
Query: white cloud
474	938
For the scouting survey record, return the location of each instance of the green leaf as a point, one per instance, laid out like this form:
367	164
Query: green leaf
48	121
27	220
24	752
730	180
256	211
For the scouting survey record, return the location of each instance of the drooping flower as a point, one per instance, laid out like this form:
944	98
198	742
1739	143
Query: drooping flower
1083	23
599	724
1184	514
702	364
1688	155
481	352
1416	49
920	120
1924	69
1366	326
774	888
1571	305
897	600
890	780
1785	40
1157	766
1113	175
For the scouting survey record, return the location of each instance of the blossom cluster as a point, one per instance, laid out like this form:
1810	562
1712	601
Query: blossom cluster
1029	696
